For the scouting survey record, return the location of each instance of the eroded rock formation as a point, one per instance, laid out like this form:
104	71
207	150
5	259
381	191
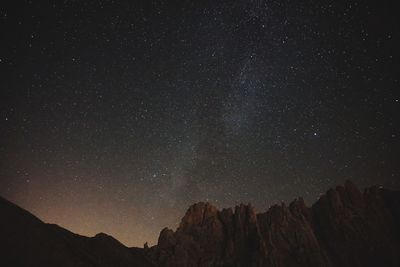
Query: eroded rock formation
343	228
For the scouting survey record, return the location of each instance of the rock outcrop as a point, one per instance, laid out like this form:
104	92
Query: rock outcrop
343	228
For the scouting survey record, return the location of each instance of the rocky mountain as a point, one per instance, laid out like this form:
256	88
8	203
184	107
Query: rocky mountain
27	241
343	228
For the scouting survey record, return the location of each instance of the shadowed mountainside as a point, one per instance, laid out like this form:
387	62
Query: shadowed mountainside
343	228
27	241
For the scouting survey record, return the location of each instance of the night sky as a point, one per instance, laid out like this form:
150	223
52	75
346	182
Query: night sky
116	116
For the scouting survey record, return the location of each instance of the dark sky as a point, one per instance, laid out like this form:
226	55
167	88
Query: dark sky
117	115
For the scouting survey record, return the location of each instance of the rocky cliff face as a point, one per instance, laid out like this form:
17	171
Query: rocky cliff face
343	228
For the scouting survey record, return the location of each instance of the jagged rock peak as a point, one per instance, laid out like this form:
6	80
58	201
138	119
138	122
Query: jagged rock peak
340	229
198	213
166	238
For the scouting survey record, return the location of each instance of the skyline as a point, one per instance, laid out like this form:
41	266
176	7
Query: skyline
116	117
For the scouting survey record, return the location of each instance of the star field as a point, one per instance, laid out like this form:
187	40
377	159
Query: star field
116	116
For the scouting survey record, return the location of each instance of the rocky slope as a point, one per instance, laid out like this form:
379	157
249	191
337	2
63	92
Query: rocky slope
27	241
343	228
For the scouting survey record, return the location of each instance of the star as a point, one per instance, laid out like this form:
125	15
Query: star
144	109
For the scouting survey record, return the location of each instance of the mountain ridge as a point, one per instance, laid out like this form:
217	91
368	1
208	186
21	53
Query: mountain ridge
25	240
344	227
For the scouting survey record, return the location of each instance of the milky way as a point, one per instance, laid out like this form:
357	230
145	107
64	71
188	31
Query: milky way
115	117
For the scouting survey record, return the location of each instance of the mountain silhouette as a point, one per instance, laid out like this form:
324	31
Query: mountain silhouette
345	227
27	241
